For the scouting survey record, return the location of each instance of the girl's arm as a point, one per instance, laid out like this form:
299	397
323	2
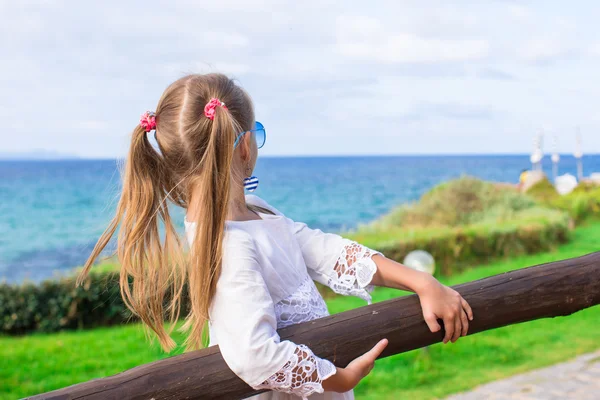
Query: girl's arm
394	275
437	301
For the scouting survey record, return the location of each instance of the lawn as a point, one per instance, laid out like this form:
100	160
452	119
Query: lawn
43	362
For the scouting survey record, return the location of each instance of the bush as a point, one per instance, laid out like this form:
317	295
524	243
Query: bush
465	222
581	204
455	248
459	202
57	304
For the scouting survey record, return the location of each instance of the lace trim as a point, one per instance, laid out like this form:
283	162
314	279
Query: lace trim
354	271
302	375
305	304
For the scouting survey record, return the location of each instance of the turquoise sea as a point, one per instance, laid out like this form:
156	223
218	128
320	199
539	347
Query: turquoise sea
51	212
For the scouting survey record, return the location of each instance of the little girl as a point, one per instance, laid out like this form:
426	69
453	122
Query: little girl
249	270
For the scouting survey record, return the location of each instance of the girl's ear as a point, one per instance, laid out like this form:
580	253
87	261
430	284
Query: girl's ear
245	147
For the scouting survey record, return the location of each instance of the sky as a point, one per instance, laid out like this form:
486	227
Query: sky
327	77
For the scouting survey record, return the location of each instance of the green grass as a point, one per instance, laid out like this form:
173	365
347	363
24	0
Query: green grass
43	362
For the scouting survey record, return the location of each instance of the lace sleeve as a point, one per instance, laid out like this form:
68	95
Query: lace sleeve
354	271
302	375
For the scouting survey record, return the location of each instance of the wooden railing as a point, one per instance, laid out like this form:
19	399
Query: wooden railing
551	290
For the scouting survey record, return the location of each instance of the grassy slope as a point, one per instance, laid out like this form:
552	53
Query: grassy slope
38	363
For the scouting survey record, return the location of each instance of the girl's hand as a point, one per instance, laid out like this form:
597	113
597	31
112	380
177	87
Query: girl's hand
437	301
441	302
346	379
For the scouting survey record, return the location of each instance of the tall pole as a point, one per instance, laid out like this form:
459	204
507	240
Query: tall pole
536	154
579	155
555	159
532	156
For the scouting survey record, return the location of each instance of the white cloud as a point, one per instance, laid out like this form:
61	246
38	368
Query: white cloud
235	69
366	39
594	50
212	39
89	125
542	50
518	11
448	20
232	5
174	71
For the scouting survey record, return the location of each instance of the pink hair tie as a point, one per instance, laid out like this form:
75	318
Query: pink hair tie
209	108
148	121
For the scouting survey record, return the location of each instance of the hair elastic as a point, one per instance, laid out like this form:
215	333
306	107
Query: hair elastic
209	108
148	121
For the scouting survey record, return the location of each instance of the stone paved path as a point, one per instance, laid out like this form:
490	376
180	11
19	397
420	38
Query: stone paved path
577	379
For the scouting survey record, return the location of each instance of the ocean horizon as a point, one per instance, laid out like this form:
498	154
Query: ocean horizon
51	157
53	211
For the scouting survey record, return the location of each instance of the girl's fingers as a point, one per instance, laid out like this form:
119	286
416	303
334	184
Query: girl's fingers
365	363
372	354
431	321
465	322
449	326
467	309
457	328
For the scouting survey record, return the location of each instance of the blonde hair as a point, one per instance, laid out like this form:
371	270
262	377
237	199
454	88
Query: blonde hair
195	156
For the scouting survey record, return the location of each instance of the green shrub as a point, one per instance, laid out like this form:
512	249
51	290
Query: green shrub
532	231
457	203
468	221
543	191
581	204
57	304
587	187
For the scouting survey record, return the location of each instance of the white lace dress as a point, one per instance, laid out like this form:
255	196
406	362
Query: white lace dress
266	283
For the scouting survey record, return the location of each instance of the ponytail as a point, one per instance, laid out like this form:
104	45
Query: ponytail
155	269
213	199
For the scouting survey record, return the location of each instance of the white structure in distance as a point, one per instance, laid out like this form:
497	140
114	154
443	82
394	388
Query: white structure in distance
555	159
537	153
565	184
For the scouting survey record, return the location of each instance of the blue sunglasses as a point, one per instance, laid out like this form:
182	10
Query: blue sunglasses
259	134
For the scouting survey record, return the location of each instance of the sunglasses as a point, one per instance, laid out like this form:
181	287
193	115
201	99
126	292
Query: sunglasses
259	134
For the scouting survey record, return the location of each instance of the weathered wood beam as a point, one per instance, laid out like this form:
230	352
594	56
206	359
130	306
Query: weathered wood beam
551	290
